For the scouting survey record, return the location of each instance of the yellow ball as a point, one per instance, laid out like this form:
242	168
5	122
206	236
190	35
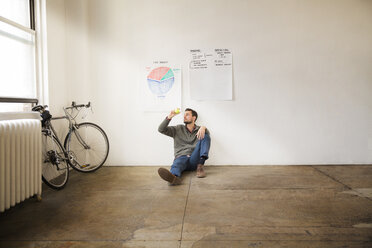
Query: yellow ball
177	110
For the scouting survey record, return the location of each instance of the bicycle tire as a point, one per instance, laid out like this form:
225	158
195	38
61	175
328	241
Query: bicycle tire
84	159
55	171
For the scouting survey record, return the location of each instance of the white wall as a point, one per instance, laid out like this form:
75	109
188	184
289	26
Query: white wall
67	56
302	75
56	43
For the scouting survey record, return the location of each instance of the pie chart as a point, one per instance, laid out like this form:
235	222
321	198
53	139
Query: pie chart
160	80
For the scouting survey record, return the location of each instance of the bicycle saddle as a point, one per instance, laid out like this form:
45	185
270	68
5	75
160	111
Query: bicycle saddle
39	108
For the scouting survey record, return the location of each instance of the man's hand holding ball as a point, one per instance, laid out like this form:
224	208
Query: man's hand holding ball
174	113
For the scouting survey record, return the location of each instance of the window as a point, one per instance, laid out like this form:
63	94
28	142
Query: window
17	51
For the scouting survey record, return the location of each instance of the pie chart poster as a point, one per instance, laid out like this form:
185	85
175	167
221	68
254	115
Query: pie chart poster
160	89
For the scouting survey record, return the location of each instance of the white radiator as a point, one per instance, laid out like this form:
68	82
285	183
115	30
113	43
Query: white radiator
20	159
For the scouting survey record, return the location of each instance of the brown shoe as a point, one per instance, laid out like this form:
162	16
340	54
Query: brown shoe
200	173
168	176
177	181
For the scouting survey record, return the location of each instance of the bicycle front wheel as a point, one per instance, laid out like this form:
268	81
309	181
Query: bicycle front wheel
87	146
54	166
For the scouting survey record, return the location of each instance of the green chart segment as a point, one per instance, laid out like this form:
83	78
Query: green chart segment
169	74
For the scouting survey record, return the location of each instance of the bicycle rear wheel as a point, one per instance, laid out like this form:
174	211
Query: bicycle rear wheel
54	167
87	146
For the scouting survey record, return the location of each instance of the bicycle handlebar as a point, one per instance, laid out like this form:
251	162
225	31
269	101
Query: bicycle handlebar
74	105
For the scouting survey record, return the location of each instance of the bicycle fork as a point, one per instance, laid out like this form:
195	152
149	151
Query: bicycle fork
80	139
83	144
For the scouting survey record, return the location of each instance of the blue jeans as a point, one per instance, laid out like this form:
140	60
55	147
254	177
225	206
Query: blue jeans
190	163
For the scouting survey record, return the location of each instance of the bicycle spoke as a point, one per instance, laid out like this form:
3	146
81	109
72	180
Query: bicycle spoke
90	145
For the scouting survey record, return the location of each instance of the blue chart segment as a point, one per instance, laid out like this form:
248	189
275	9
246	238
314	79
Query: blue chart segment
160	80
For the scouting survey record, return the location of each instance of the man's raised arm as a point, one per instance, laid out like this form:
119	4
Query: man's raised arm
164	128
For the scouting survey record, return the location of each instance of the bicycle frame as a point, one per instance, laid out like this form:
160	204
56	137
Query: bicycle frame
49	128
73	127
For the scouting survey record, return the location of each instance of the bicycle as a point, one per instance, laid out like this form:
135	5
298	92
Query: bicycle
85	147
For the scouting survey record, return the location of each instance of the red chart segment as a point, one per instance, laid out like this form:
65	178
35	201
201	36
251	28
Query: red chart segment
158	73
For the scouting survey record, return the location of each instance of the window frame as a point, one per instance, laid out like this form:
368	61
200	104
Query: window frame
32	14
32	30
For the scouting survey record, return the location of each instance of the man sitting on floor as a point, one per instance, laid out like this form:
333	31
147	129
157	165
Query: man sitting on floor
191	146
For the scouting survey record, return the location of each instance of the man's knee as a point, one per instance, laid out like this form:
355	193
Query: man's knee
180	162
206	137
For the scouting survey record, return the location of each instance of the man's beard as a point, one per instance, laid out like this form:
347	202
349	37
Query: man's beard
187	122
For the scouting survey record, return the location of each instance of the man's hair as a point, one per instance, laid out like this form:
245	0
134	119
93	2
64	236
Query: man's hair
193	113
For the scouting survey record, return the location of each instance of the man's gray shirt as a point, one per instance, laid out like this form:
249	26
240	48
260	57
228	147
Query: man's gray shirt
184	140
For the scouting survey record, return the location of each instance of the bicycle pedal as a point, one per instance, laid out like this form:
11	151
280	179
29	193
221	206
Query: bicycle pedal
85	165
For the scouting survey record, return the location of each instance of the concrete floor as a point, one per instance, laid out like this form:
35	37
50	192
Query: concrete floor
253	206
